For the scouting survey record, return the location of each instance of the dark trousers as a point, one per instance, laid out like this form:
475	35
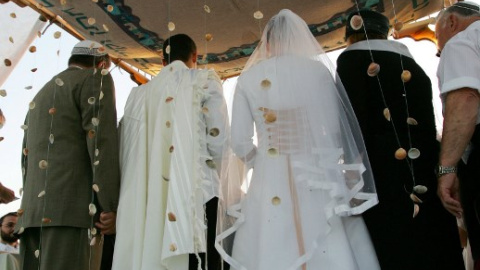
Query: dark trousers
212	258
469	176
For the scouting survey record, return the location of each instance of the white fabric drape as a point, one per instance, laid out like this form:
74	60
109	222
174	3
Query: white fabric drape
22	30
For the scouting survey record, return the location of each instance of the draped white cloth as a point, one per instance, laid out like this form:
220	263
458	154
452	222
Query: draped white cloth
166	177
18	32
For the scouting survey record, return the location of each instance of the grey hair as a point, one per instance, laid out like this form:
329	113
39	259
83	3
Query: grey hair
464	9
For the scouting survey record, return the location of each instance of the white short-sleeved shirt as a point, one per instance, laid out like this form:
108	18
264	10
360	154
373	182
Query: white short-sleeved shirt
459	65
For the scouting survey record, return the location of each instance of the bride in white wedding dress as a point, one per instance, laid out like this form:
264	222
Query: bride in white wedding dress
311	176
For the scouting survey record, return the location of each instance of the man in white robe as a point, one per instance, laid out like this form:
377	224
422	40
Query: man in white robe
173	135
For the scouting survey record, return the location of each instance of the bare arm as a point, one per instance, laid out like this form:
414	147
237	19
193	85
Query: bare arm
461	109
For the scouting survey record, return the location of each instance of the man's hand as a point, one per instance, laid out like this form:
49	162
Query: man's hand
448	193
6	195
107	224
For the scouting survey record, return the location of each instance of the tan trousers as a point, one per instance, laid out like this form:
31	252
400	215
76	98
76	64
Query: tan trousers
62	248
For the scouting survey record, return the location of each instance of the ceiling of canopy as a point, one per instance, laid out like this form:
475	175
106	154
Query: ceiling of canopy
134	30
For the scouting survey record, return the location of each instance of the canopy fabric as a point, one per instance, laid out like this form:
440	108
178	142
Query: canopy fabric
134	30
23	26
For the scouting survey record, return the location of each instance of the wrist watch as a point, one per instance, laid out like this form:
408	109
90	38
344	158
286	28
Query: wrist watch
442	170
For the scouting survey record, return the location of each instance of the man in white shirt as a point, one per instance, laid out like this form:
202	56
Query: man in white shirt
458	34
173	135
8	241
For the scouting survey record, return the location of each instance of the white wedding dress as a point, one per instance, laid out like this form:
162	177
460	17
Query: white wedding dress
297	212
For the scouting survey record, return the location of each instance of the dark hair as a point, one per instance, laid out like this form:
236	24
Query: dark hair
181	48
464	9
356	37
88	61
11	214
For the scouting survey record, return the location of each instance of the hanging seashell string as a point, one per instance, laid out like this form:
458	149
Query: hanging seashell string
401	153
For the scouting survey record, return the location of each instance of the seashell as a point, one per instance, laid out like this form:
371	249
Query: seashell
109	8
416	209
105	27
91	133
266	84
11	39
171	149
100	97
95	121
413	153
13	15
51	138
165	178
95	187
104	72
97	152
25	151
386	114
400	154
92	209
93	241
206	8
208	37
168	124
172	217
205	110
171	26
273	152
214	132
96	162
167	49
39	34
373	69
57	34
31	105
270	117
59	82
43	164
52	111
20	212
21	230
24	127
412	121
276	200
37	253
3	93
28	87
173	247
7	62
356	22
415	198
41	194
34	69
91	21
420	189
211	164
63	2
46	220
168	99
406	76
95	1
93	231
398	26
91	100
258	15
32	49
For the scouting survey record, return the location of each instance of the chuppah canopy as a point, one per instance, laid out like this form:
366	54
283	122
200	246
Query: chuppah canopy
226	32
